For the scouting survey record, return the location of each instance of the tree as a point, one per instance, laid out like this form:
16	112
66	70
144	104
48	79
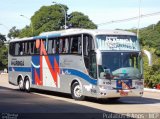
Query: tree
26	32
3	57
51	18
48	18
150	40
2	39
79	20
13	32
3	52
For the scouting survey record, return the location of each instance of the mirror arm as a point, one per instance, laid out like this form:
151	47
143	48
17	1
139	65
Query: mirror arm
149	55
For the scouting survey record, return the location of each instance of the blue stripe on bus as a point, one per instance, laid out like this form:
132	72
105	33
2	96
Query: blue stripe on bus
39	37
49	36
66	71
20	69
81	75
54	35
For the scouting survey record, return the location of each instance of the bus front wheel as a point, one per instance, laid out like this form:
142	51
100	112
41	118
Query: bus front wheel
76	91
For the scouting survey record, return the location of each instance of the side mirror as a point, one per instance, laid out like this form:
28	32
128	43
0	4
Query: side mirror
149	55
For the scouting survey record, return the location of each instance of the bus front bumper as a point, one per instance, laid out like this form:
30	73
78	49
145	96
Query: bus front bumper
103	93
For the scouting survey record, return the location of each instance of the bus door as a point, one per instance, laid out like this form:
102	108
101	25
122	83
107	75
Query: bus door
89	56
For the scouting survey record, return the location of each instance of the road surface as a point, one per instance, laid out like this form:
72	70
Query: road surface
50	104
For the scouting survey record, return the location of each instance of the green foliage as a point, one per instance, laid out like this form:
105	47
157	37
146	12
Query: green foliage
2	39
152	74
51	18
157	27
13	32
26	32
3	56
150	40
79	20
48	18
150	36
3	52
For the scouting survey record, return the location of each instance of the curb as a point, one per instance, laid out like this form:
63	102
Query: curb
151	90
3	73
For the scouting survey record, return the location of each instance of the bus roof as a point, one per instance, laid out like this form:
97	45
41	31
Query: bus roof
21	39
74	32
89	31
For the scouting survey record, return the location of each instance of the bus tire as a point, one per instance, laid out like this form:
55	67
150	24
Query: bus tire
27	85
21	84
76	91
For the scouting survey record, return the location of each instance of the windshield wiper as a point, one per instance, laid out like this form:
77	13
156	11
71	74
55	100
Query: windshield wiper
134	77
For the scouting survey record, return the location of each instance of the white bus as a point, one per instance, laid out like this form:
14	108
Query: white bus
94	63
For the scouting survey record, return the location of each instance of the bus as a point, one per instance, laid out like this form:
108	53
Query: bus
80	62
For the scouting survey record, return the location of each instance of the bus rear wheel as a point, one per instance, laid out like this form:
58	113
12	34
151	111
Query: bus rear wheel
76	91
27	85
20	84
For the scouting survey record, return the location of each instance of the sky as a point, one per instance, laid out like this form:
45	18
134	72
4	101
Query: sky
99	11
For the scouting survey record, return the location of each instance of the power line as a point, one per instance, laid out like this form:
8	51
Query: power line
129	19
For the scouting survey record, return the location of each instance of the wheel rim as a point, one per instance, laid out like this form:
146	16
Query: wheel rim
21	84
27	85
78	91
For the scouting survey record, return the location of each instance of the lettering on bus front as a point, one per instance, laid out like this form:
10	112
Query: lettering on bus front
117	42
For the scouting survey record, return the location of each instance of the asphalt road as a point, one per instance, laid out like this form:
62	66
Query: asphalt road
45	104
16	104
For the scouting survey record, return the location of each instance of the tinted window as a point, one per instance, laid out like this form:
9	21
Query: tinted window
23	48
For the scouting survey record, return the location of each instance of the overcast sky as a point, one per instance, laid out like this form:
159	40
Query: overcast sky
99	11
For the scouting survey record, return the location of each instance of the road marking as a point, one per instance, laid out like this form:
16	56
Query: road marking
155	104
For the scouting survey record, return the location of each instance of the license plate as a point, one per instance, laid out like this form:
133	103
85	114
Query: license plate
124	84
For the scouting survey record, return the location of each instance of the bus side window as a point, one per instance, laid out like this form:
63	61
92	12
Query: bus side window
50	46
88	44
36	50
85	52
53	46
85	45
17	48
75	44
79	45
31	47
26	48
89	55
12	48
43	46
20	49
66	46
57	46
61	47
22	52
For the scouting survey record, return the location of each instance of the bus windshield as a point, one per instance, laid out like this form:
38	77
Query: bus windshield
122	64
117	42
